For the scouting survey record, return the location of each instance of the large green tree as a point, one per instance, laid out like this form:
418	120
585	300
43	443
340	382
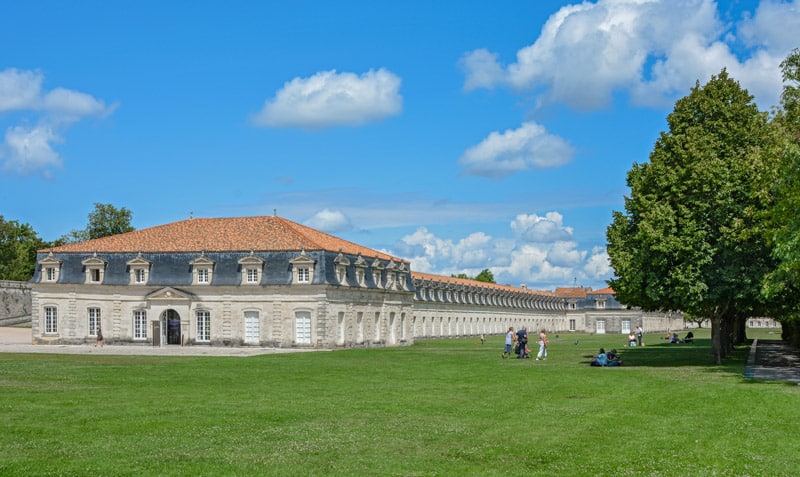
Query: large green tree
18	245
691	237
104	220
783	285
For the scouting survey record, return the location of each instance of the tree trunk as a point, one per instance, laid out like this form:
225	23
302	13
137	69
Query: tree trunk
740	330
716	339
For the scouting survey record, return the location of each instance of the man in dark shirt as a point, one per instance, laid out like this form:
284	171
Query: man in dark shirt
522	339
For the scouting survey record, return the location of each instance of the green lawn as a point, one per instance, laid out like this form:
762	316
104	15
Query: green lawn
441	407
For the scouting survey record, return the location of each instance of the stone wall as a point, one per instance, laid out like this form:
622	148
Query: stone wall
15	302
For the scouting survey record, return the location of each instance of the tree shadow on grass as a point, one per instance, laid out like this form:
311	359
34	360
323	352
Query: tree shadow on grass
667	355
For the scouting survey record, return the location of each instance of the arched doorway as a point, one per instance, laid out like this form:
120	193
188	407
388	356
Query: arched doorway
171	327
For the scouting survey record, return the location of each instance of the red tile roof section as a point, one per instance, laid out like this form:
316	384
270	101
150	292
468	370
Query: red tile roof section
572	292
234	234
475	283
603	291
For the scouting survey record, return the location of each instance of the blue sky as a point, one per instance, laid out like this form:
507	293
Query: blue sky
460	135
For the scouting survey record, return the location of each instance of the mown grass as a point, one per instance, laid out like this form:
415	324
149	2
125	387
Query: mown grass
439	408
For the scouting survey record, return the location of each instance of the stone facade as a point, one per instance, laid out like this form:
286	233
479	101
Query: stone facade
15	302
196	283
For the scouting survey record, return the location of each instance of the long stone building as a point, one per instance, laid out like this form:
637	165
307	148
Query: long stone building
264	281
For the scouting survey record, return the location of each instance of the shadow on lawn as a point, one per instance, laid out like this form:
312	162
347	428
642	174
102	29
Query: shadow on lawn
679	355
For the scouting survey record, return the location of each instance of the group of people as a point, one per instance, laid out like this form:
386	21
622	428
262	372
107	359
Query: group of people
674	339
517	343
606	359
635	337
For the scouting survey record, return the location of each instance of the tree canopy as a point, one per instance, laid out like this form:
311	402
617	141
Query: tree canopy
692	234
18	246
104	220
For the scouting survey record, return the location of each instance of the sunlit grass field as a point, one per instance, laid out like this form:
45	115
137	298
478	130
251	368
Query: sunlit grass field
438	408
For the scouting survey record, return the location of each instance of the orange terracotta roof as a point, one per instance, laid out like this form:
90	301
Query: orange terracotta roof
572	292
603	291
234	234
475	283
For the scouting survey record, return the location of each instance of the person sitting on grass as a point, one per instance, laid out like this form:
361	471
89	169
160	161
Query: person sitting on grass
613	358
675	339
689	338
601	359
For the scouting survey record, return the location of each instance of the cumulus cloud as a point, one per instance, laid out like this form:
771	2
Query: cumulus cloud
528	147
331	221
536	229
653	50
30	149
540	252
329	98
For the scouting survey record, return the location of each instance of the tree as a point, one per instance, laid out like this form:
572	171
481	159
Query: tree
691	237
105	220
108	220
18	246
485	276
784	233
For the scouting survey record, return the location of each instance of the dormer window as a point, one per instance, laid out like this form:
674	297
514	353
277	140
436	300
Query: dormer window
402	274
600	304
377	273
361	270
139	270
302	269
95	269
390	275
202	270
252	267
51	268
341	263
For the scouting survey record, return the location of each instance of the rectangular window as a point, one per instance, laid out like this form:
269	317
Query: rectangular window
51	274
139	275
95	274
202	275
601	304
94	321
252	275
50	320
302	275
204	326
572	325
140	325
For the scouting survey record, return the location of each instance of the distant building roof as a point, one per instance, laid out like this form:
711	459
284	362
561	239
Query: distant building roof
233	234
572	292
475	283
603	291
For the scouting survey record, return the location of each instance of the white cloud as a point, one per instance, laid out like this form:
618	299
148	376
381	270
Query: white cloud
541	253
502	154
19	89
536	229
654	50
332	99
73	104
30	149
598	266
331	221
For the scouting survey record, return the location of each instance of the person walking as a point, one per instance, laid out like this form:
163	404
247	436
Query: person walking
510	338
639	334
99	341
542	345
522	341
